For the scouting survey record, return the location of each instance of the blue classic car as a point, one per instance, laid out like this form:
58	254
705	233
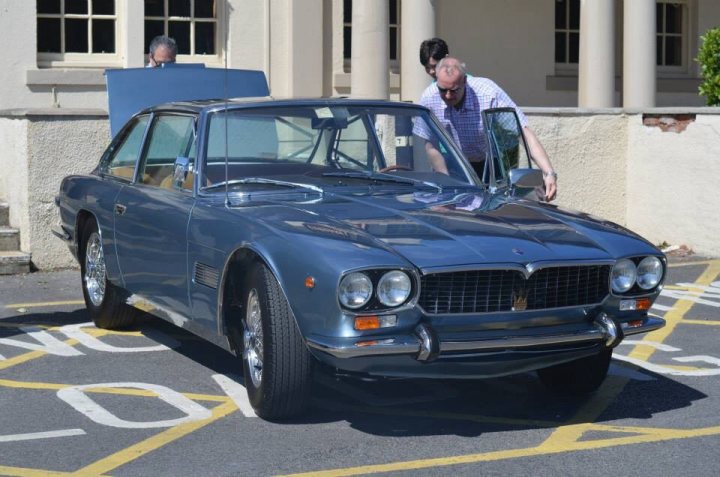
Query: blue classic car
304	234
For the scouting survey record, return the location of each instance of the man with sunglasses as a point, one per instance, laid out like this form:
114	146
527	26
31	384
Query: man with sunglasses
163	50
458	100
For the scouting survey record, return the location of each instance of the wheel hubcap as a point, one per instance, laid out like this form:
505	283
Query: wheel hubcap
95	270
253	338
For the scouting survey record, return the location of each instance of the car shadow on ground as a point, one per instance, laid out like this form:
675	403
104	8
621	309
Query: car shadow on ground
423	407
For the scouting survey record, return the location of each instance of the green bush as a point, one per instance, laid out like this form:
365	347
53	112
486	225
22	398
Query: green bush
709	59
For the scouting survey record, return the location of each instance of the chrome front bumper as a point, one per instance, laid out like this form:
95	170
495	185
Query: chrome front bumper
425	345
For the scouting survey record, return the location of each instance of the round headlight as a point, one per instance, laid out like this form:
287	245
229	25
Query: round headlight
355	290
649	273
394	288
622	277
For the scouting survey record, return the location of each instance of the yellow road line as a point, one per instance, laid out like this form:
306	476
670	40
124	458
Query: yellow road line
153	443
701	322
674	316
23	358
648	435
45	304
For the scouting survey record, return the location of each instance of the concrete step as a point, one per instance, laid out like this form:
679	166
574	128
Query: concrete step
9	239
14	262
4	214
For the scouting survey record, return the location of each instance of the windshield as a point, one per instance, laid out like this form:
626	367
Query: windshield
329	143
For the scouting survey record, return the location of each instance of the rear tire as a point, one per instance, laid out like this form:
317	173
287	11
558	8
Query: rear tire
581	376
276	363
103	300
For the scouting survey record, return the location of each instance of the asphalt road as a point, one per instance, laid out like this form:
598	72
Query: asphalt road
158	401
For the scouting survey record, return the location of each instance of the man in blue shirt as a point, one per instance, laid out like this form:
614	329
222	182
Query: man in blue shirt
458	100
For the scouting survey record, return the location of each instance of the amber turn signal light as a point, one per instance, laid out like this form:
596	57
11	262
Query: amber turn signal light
371	322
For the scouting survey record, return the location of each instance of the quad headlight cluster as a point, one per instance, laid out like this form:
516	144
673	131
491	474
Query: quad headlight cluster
646	273
384	289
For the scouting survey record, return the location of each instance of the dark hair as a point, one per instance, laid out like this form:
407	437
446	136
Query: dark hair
162	40
433	48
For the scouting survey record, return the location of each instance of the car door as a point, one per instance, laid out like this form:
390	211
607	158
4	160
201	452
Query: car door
116	170
151	217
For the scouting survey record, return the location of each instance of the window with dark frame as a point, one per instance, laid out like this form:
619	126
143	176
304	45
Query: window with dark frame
670	20
76	26
567	32
394	24
193	24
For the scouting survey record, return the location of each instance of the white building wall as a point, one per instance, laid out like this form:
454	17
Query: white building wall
298	44
672	183
511	42
14	177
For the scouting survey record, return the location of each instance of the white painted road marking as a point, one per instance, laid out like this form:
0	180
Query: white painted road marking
236	392
42	435
75	396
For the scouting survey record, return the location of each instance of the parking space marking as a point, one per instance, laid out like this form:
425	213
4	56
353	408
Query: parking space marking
674	316
690	264
237	393
153	443
44	304
641	436
9	383
566	438
42	435
701	322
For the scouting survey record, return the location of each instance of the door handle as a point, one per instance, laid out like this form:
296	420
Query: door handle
120	209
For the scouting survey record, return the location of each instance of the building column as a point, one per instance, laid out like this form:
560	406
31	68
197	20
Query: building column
131	24
418	24
639	37
596	69
370	69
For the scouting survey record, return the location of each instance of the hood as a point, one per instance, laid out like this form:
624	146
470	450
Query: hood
445	230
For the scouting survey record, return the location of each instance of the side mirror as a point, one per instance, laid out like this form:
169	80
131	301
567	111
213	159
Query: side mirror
182	167
526	178
527	183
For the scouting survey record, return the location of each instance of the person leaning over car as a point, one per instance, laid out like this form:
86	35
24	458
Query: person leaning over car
431	52
163	50
457	100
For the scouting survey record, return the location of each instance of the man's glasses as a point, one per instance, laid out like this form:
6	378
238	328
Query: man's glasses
452	91
161	63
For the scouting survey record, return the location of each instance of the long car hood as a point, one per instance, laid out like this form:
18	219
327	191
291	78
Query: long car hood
453	232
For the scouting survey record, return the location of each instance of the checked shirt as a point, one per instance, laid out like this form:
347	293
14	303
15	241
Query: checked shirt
465	125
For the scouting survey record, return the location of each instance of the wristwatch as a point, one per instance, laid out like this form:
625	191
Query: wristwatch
550	174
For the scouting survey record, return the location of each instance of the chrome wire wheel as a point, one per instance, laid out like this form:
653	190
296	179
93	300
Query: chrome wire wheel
95	270
253	338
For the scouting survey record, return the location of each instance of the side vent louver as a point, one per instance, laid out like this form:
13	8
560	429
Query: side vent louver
206	275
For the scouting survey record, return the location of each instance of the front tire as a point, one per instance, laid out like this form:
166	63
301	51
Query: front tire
581	376
103	300
276	363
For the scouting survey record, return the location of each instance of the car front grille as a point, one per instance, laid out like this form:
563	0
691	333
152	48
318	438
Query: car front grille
483	291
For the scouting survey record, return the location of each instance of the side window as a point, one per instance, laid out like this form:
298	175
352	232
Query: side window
126	151
170	137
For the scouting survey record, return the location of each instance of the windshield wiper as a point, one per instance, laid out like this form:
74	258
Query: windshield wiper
263	180
381	176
